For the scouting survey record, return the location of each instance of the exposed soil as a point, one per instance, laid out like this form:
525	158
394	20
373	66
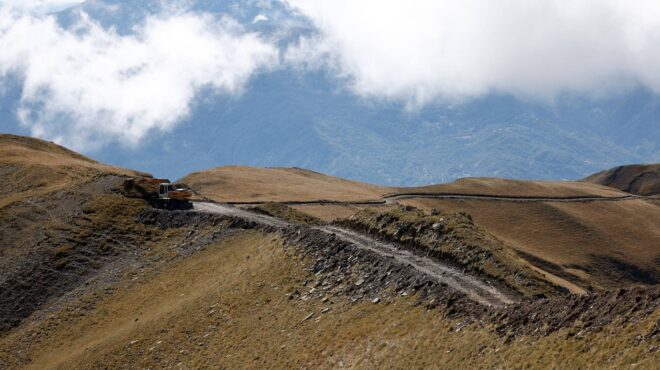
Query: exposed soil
92	278
479	291
455	238
59	241
344	268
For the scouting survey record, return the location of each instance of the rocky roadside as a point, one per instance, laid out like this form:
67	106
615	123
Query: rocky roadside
342	270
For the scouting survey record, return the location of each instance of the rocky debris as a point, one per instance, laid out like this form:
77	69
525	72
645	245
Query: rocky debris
455	239
339	268
342	269
177	219
580	312
77	233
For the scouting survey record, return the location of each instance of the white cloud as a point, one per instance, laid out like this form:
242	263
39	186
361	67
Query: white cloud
427	50
39	6
259	18
86	85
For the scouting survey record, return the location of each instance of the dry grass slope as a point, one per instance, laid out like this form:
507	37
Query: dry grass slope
249	184
508	187
86	283
640	179
577	245
229	307
602	244
31	167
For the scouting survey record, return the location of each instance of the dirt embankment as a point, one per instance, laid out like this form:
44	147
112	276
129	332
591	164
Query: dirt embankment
55	242
343	270
286	213
340	281
454	237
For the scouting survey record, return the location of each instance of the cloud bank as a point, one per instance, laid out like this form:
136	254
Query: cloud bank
39	6
85	86
442	50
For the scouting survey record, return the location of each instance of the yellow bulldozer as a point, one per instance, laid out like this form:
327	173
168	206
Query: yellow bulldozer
160	193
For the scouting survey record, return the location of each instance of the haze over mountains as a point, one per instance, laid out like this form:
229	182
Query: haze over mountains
292	116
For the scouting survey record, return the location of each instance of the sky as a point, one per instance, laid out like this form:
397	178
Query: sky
88	84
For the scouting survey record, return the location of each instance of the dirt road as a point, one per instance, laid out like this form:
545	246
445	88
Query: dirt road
508	198
474	288
226	210
394	198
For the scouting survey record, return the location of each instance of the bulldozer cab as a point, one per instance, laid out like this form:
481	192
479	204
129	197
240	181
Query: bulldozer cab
164	190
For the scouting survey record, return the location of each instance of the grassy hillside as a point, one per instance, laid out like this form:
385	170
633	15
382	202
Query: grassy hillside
640	179
230	306
577	245
248	184
32	167
495	186
61	219
603	244
90	278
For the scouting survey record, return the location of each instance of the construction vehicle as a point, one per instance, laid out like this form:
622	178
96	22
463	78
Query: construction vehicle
160	193
167	190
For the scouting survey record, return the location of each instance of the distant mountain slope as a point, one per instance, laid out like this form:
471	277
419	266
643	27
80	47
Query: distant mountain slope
309	119
256	184
286	120
640	179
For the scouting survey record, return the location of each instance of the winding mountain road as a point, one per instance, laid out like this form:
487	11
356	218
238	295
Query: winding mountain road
510	198
393	198
473	287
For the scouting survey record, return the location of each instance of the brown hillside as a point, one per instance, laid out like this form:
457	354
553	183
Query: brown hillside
605	244
640	179
575	244
90	278
508	187
235	304
251	184
31	167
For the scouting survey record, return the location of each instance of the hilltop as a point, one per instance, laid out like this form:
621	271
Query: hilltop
252	184
31	167
577	243
640	179
92	276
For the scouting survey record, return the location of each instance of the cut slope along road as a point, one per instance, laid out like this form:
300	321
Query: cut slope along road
473	287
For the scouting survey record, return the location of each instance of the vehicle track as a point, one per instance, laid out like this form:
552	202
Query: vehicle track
227	210
510	198
393	198
472	287
475	289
